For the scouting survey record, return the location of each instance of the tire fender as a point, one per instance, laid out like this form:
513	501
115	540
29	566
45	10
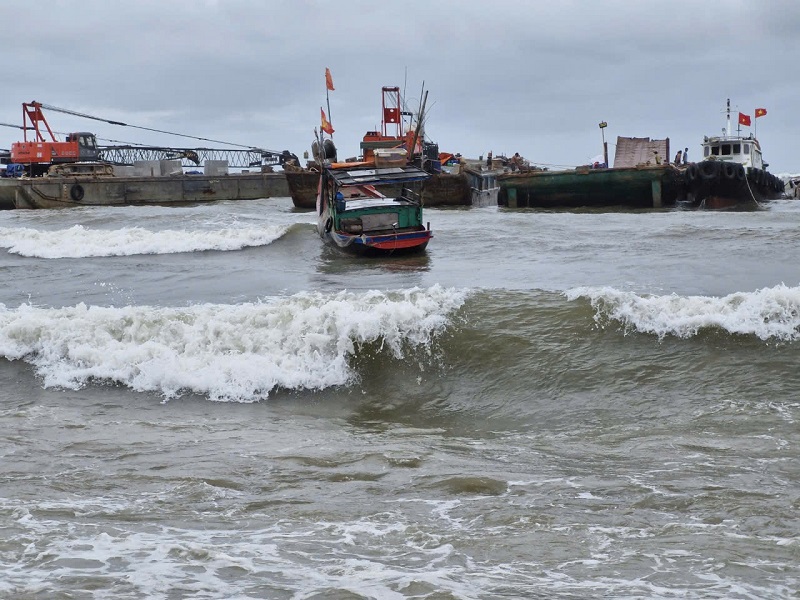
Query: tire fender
76	192
692	173
709	169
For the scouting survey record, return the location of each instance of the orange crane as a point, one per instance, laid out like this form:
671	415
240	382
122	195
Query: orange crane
40	152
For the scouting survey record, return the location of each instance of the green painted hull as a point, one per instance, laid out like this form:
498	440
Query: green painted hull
635	187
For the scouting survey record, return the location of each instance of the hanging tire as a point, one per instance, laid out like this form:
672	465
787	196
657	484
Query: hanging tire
692	173
728	170
76	192
329	150
709	169
740	173
328	225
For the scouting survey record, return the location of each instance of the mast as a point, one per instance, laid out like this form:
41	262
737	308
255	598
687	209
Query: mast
420	117
728	129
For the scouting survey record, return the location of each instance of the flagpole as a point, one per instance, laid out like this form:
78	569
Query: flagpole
755	125
328	101
328	86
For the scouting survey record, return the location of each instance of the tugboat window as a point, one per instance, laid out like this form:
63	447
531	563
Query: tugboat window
726	149
747	148
715	150
737	148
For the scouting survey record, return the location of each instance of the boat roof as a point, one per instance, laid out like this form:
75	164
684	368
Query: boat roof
361	175
726	139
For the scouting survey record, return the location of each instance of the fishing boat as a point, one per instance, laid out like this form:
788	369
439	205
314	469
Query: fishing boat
440	189
733	173
355	214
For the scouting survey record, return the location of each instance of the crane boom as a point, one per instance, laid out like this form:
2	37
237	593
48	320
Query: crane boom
40	152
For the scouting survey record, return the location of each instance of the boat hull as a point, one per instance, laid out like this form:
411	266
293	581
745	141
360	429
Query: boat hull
65	192
636	187
405	242
8	190
303	186
727	185
442	189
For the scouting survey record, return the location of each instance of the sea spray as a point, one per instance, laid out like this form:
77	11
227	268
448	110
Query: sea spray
768	313
229	352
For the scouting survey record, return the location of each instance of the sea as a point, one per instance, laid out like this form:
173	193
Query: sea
206	402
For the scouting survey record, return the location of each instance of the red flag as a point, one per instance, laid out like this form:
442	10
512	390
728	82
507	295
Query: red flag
760	112
328	79
744	119
326	126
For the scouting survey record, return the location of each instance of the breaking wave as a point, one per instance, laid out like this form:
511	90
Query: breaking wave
229	352
768	313
80	242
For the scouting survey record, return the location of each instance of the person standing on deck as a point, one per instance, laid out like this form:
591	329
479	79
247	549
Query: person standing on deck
685	152
678	157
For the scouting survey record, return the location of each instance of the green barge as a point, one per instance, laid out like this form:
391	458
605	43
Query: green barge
644	186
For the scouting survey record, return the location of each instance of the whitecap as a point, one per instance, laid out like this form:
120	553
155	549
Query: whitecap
228	352
768	313
80	242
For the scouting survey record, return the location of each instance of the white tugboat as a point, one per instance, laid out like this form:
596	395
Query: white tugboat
733	173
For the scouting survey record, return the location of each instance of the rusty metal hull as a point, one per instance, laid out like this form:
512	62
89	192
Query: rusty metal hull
62	192
303	187
8	189
441	189
447	189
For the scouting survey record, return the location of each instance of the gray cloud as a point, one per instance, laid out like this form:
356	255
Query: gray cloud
532	77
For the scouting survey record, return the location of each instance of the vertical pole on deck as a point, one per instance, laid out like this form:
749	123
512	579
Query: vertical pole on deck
655	187
603	126
512	197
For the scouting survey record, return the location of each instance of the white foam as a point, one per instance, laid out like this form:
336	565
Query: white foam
229	352
80	242
768	313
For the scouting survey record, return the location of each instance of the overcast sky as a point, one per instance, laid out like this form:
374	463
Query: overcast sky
533	77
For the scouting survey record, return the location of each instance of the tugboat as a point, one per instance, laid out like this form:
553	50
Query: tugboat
733	173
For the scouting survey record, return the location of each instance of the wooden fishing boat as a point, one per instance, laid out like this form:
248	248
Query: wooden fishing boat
354	214
440	189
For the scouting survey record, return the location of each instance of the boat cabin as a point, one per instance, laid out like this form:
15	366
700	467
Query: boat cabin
743	150
352	196
483	184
